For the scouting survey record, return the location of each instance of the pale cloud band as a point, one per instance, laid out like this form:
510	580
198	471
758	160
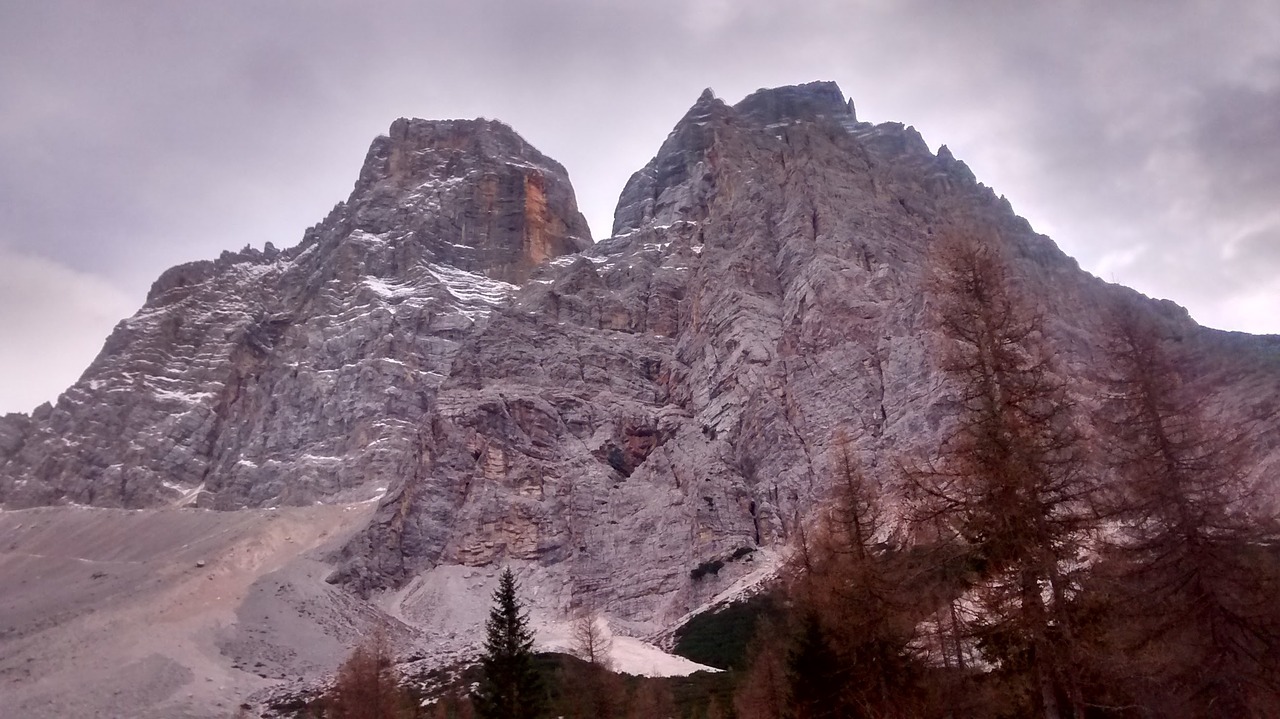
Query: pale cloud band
64	313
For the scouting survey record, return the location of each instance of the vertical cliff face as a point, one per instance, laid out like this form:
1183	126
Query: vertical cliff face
486	200
669	398
269	377
634	421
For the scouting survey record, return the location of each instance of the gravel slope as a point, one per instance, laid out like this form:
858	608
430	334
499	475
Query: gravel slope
114	613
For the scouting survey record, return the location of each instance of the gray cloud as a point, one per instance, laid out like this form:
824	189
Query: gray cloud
1235	136
54	320
139	134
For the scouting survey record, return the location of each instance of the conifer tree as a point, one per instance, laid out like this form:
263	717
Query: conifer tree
367	685
596	691
813	669
869	614
848	650
652	700
592	641
1195	557
1008	482
763	691
511	688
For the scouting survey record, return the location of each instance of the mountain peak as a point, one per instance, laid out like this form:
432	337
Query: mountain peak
412	150
509	207
641	428
673	182
796	102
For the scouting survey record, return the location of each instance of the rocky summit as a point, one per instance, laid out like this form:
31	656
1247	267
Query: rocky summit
269	377
638	425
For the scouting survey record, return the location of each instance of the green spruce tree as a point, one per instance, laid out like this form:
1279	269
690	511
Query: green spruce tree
815	673
511	688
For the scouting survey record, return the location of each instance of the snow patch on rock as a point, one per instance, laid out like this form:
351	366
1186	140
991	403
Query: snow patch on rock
627	655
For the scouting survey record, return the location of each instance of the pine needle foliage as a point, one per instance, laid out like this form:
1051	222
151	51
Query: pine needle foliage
511	688
1009	482
1194	555
368	686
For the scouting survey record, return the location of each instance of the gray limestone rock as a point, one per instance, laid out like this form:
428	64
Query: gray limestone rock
672	395
13	433
267	377
616	418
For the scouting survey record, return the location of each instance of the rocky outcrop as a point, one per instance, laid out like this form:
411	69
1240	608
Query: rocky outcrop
670	397
268	377
806	102
628	420
13	433
486	200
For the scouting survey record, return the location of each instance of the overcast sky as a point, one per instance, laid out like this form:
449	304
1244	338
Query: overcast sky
1143	136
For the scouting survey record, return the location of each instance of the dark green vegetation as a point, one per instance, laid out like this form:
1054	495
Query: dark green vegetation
721	638
510	681
510	687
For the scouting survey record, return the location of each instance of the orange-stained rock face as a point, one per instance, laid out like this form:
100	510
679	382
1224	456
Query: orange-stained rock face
509	207
537	221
